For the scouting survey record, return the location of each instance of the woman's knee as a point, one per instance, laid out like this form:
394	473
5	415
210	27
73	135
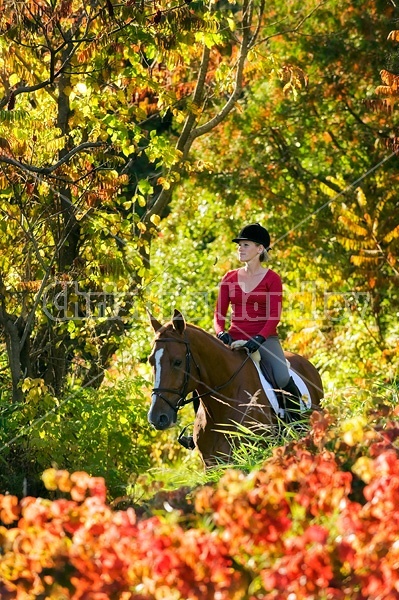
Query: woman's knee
282	378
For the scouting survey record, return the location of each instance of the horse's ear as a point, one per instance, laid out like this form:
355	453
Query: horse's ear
178	321
155	324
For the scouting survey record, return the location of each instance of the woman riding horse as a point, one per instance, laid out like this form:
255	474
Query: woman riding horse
254	294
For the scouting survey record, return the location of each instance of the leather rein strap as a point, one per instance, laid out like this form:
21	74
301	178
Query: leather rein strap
182	393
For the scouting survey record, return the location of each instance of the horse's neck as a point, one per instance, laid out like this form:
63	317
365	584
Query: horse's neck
215	362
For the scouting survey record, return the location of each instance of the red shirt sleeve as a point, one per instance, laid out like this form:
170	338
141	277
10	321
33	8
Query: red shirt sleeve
275	294
222	304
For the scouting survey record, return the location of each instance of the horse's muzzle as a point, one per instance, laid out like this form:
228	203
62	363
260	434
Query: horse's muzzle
161	419
161	422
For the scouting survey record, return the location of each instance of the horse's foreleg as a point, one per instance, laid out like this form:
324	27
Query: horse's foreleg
212	444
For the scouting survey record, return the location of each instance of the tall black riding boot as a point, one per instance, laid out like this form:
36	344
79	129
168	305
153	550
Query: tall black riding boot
292	401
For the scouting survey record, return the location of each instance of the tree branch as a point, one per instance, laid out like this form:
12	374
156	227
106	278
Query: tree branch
190	133
197	99
238	84
53	73
47	170
296	27
164	197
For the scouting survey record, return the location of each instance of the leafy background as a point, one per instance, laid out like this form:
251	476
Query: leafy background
136	139
107	210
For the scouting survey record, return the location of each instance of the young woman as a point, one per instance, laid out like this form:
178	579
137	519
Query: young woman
254	294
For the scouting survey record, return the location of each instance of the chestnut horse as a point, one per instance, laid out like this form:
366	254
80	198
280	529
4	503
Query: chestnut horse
185	359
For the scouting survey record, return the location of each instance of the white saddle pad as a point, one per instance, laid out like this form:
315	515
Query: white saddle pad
306	401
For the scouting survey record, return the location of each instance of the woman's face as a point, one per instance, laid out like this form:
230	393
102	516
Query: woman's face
248	250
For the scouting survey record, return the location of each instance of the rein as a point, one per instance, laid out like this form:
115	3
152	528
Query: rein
182	393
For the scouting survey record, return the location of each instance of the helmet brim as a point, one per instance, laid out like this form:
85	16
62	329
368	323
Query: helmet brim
242	239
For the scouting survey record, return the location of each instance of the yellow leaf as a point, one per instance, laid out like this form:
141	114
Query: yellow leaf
14	79
141	226
156	219
81	88
361	197
392	235
164	182
327	190
364	468
232	24
353	226
180	116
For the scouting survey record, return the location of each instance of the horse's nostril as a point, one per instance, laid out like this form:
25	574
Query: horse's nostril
163	421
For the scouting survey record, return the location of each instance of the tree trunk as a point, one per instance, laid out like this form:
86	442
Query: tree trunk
69	233
13	331
55	357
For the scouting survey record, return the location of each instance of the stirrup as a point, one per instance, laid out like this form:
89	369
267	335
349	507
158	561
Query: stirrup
187	441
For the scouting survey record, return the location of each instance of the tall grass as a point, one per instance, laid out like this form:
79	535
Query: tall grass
251	446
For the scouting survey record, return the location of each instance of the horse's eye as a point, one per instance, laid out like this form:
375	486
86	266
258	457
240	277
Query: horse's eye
177	363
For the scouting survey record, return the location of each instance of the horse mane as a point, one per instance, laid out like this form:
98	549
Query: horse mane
168	327
226	351
203	331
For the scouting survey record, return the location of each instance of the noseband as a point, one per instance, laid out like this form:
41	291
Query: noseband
182	393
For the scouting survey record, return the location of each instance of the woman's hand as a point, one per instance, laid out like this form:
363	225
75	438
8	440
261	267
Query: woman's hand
253	344
225	337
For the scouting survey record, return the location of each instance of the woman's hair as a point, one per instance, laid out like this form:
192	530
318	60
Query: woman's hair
264	256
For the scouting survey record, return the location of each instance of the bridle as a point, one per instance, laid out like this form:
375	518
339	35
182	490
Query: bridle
182	393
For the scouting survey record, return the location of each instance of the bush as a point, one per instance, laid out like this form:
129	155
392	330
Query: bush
319	520
103	432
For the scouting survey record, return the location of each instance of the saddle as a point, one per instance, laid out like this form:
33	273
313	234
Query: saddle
270	387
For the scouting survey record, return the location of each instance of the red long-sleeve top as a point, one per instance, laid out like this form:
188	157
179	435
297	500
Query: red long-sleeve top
253	313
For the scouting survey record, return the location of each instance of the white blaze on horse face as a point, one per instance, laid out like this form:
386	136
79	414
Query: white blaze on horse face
157	368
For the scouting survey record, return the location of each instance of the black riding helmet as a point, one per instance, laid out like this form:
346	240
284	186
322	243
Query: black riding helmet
254	233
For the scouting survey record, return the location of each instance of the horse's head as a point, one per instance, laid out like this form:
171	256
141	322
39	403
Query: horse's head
171	361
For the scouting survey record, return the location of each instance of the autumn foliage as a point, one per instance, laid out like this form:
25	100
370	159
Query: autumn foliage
319	520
